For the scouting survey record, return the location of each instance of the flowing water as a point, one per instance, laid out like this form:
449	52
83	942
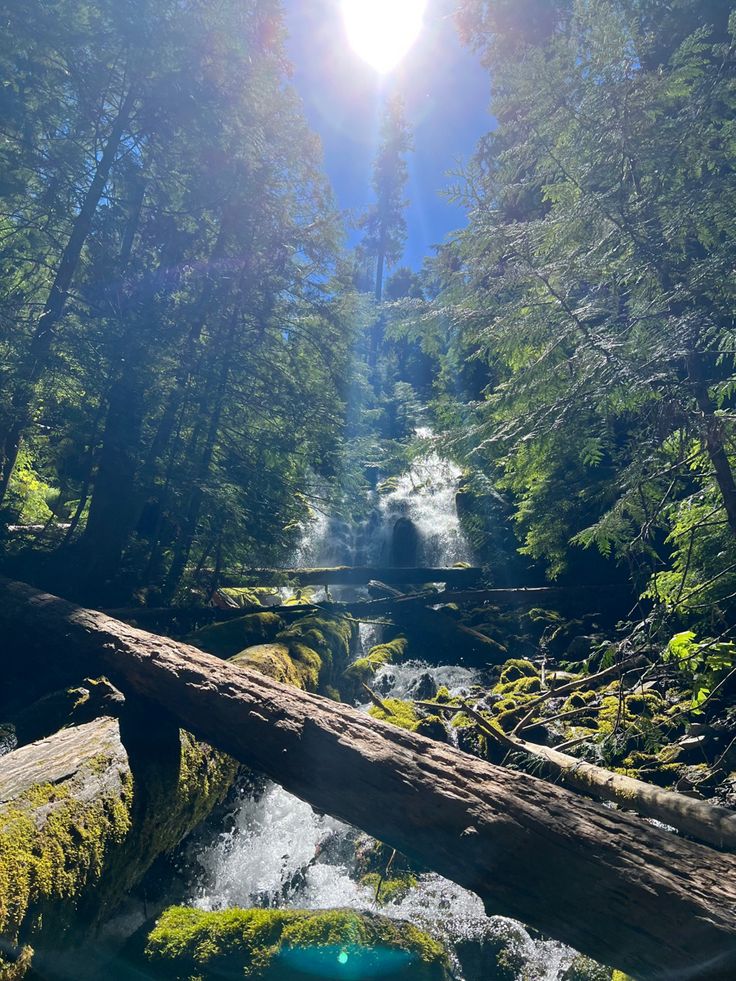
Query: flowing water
278	852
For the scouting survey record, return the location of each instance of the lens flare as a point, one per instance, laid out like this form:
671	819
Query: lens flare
381	32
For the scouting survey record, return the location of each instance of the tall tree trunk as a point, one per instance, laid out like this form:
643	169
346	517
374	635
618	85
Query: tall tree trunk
714	438
196	497
35	362
605	882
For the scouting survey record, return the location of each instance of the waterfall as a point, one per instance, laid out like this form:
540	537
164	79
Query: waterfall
278	852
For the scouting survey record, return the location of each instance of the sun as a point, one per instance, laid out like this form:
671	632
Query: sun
382	31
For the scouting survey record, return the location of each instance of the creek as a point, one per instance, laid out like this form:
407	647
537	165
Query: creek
277	852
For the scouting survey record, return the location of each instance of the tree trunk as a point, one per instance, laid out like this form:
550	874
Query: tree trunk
34	364
714	438
624	892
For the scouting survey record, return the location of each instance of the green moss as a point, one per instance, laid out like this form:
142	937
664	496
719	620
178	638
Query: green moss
402	714
633	713
363	669
289	944
232	636
54	846
16	967
70	851
516	668
276	661
585	969
389	890
526	685
321	642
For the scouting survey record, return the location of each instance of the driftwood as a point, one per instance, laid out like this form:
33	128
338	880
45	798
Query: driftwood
624	892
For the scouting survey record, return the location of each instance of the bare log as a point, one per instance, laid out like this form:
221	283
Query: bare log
609	884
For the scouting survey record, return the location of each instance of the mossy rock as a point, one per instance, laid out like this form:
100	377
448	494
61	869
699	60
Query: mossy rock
289	945
526	685
308	654
516	668
228	638
298	666
390	889
330	638
363	670
585	969
400	713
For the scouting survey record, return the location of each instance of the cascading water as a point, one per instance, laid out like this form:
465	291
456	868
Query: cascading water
279	853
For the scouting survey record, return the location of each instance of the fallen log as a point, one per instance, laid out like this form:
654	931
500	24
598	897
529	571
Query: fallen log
624	892
522	597
709	823
85	813
347	575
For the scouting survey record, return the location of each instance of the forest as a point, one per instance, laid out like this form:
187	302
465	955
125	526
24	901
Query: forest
365	616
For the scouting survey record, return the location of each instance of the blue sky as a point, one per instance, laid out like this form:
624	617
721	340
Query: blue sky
446	94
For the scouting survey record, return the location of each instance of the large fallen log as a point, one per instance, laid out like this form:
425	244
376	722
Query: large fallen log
624	892
348	575
85	812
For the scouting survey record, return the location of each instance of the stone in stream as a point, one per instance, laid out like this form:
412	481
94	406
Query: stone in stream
289	945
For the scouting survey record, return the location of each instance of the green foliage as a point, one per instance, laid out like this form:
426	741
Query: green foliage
705	664
588	364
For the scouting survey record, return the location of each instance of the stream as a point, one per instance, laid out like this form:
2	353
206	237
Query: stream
277	852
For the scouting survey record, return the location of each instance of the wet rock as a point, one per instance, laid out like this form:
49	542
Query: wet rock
424	687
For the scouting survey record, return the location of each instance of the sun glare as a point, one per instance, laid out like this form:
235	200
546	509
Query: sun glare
382	31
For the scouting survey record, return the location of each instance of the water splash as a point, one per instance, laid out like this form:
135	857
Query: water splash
425	494
281	853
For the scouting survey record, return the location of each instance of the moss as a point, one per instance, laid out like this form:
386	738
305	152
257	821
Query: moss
578	700
290	944
433	727
389	890
585	969
320	642
70	851
15	966
526	685
402	714
363	669
54	846
516	668
232	636
275	661
634	713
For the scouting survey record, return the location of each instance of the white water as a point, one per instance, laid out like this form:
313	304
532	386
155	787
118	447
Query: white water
280	853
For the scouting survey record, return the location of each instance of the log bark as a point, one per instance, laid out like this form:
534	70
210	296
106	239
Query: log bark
85	812
358	576
555	597
709	823
626	893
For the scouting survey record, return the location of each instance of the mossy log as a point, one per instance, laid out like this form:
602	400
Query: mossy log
605	882
83	815
360	576
289	945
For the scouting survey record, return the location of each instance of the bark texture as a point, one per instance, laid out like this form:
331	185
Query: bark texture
624	892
